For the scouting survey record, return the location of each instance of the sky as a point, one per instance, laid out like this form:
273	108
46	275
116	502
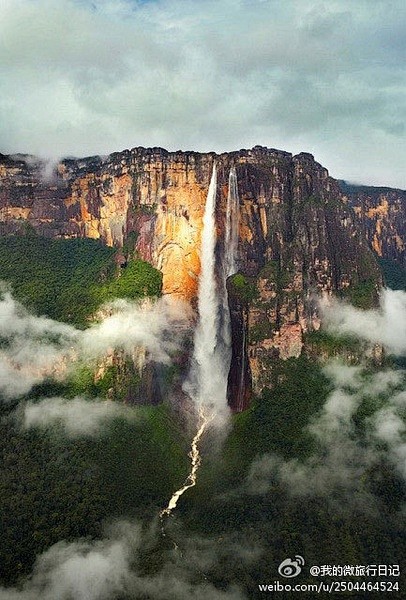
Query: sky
84	77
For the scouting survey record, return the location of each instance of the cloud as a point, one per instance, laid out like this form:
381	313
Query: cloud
108	568
34	348
154	325
80	570
325	77
385	326
344	456
78	416
388	426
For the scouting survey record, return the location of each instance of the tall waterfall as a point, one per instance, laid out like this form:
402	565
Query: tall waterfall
232	225
230	254
207	383
213	338
211	382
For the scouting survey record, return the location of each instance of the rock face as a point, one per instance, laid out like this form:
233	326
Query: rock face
298	238
298	241
381	212
157	196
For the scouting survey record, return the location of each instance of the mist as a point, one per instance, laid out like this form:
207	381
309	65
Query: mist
36	348
32	349
343	454
77	416
386	325
110	567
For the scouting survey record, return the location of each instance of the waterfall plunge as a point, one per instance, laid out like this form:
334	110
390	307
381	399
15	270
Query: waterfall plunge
207	384
210	361
212	352
232	225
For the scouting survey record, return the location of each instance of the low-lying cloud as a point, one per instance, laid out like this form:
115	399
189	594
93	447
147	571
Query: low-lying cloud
32	348
35	348
386	326
343	456
154	325
109	568
78	416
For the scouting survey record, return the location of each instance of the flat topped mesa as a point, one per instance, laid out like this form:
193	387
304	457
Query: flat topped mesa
298	233
158	198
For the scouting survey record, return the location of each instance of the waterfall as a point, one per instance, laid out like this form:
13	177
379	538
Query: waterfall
207	382
230	253
232	225
211	361
213	336
240	402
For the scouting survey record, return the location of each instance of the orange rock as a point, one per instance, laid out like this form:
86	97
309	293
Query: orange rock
290	341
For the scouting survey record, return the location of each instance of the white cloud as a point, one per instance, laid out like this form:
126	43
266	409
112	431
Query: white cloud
338	467
80	570
389	426
34	348
326	78
343	375
107	569
385	326
154	325
77	416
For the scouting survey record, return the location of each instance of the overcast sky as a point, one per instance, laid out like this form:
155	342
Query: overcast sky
80	77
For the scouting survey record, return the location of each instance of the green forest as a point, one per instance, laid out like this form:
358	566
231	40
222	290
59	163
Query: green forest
68	279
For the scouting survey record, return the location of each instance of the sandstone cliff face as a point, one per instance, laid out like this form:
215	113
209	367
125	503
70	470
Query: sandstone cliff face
298	241
381	213
298	238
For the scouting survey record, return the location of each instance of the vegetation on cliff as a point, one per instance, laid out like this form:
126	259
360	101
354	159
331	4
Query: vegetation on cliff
322	342
243	288
137	280
68	279
394	274
56	278
277	418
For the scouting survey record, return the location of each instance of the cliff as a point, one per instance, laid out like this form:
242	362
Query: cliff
381	213
298	235
155	195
